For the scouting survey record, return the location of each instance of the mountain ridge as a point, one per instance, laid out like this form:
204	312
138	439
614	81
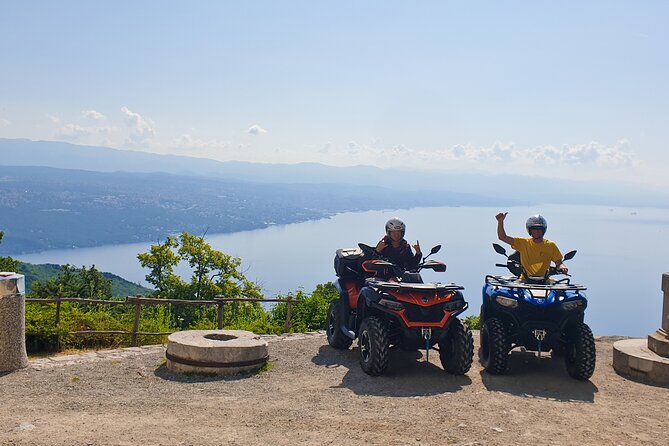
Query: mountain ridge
23	152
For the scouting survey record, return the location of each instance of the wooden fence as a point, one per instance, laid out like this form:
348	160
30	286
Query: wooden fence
138	301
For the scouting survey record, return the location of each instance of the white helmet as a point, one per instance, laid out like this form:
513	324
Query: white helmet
395	224
536	221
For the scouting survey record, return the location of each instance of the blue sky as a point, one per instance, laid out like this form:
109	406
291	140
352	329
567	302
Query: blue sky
562	89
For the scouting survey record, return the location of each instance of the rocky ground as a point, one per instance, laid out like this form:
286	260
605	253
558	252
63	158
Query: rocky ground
313	394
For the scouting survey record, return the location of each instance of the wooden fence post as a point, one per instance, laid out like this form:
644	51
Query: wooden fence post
57	322
220	313
135	325
289	315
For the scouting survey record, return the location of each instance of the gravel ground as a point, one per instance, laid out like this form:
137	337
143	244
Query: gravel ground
313	394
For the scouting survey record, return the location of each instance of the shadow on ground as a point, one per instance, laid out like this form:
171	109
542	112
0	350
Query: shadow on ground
163	372
535	377
408	374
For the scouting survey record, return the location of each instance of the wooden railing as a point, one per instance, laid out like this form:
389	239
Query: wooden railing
138	301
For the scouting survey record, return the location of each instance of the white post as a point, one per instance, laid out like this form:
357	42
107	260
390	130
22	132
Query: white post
12	322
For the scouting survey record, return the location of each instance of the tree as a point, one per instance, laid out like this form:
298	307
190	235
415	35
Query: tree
161	261
75	282
214	273
8	263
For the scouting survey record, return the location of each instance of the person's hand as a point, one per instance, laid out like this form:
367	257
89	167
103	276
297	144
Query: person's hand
381	245
417	248
501	216
563	269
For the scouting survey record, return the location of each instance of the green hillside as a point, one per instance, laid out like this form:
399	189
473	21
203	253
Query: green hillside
44	272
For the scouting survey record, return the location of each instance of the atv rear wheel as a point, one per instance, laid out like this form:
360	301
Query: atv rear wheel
580	355
373	344
456	352
336	338
495	346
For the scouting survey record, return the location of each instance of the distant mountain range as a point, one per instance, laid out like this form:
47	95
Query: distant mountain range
527	189
58	195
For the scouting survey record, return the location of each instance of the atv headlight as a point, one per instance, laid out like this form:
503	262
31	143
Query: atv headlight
454	305
572	305
391	304
506	302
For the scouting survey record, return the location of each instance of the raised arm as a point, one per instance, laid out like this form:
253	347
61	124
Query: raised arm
501	233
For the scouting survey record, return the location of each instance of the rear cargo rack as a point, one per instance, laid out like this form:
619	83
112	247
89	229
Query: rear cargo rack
416	286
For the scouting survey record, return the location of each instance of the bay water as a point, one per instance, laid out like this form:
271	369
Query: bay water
622	253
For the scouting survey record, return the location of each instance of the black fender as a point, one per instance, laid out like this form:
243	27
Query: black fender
341	290
369	296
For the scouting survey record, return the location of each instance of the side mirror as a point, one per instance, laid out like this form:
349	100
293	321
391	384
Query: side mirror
435	249
569	255
499	249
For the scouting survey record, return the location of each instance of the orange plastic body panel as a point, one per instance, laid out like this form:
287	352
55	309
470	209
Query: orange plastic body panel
423	300
353	290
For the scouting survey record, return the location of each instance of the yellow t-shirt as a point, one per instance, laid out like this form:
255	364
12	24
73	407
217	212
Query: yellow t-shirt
536	257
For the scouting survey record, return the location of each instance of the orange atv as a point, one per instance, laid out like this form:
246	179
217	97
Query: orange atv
384	306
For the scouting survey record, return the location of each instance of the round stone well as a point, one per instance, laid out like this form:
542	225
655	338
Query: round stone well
221	352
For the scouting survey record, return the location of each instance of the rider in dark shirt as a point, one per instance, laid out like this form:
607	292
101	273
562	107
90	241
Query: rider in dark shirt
395	248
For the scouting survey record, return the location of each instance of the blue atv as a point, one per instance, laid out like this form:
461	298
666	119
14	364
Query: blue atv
537	313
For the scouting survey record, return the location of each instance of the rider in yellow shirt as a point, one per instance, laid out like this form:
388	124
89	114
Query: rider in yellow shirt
536	253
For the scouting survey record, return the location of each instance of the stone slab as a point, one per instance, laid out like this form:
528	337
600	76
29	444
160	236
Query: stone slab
222	352
659	343
633	359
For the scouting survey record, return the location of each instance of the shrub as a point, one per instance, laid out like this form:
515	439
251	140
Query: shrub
473	322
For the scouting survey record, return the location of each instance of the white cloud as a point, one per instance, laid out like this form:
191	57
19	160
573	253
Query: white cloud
92	114
502	152
76	132
141	130
53	118
256	130
458	151
73	132
4	122
590	154
188	142
498	156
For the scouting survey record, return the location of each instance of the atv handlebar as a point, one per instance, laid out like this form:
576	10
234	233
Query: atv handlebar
553	271
398	270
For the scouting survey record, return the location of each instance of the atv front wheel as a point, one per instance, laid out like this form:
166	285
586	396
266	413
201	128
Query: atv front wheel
580	355
336	338
495	346
456	352
373	344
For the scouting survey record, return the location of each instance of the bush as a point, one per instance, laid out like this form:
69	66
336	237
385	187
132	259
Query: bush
42	334
473	322
310	313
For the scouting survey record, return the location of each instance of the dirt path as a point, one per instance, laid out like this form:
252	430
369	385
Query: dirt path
316	395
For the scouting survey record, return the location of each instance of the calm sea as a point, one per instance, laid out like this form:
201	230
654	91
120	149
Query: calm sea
621	254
